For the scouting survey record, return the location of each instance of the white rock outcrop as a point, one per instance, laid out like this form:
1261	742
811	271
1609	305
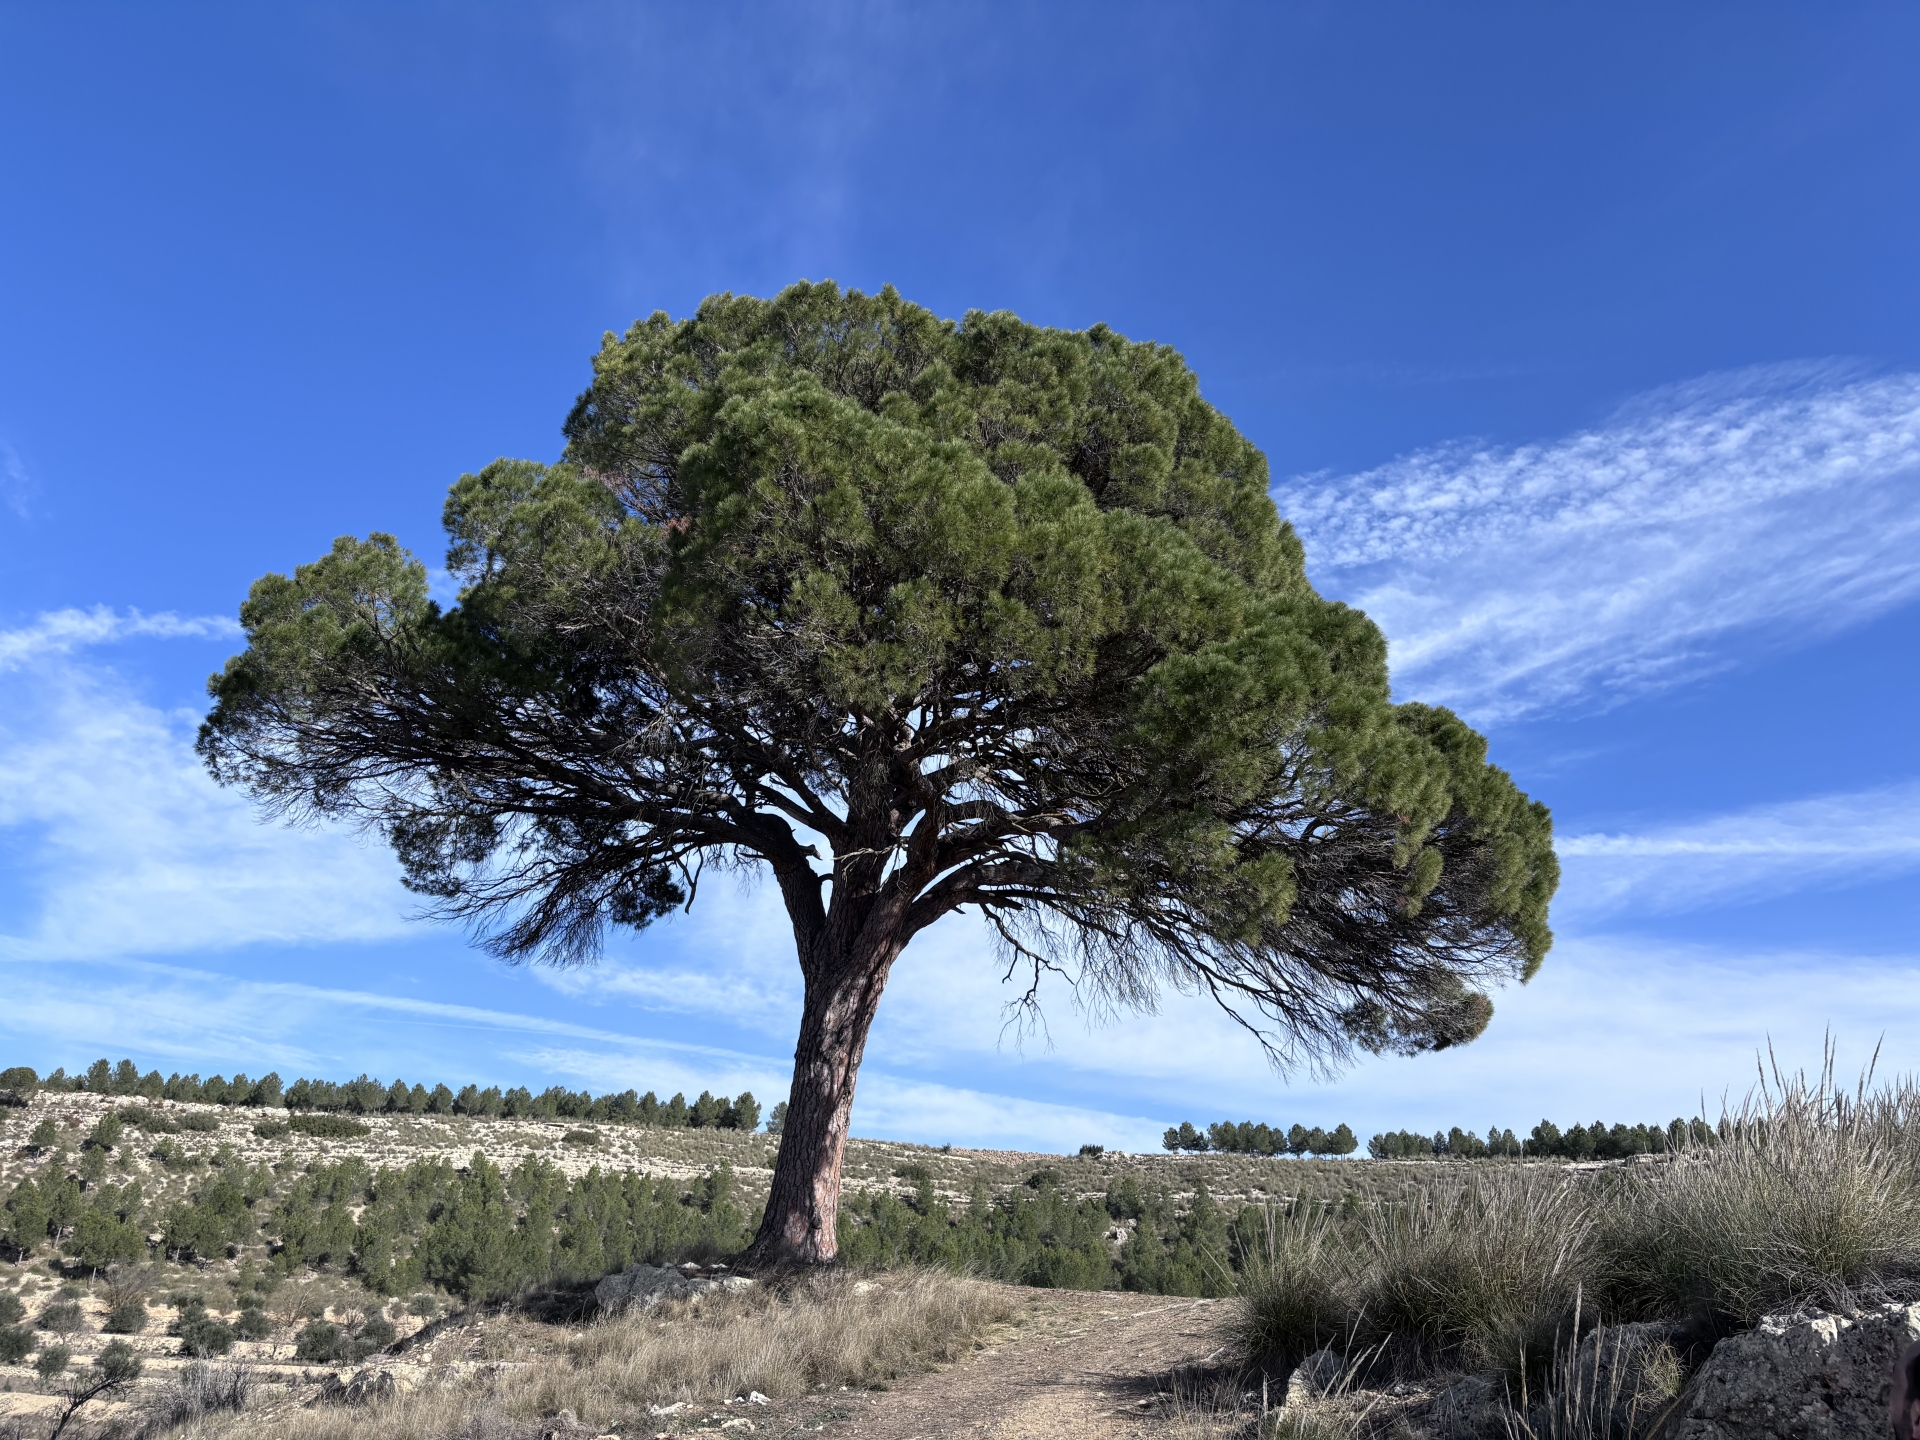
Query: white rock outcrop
1809	1376
641	1287
1315	1377
365	1387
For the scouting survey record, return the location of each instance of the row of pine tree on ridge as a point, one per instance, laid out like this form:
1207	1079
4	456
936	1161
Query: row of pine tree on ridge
368	1096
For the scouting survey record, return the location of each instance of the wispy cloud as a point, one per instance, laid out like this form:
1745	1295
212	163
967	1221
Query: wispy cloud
16	483
129	847
59	632
1766	850
1513	580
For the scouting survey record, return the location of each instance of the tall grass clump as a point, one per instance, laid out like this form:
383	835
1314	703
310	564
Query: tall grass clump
1605	1388
1809	1195
1805	1194
1472	1274
1479	1274
828	1330
1297	1289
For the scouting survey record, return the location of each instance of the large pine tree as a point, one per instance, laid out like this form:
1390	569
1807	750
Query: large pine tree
920	616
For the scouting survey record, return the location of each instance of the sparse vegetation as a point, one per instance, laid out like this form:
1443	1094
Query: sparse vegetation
320	1255
1806	1196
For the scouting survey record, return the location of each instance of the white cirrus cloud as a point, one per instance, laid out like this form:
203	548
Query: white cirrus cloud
127	847
1766	850
1511	580
16	483
59	632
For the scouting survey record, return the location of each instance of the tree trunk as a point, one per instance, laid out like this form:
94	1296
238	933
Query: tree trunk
803	1206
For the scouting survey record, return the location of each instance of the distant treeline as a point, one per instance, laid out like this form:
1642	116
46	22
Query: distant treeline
1598	1141
366	1096
1244	1137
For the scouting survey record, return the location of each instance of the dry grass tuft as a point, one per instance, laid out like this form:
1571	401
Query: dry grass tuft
808	1333
1807	1195
812	1332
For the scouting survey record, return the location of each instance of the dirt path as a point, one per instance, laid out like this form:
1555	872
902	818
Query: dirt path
1075	1365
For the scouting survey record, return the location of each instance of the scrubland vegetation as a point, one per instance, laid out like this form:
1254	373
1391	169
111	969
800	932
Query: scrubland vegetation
1806	1196
210	1245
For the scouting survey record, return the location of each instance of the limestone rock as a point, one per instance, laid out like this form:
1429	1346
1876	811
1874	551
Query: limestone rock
1314	1377
1808	1376
1632	1371
1475	1407
641	1287
365	1387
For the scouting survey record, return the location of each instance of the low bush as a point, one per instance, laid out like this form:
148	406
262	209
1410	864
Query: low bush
1810	1198
271	1129
201	1335
62	1317
11	1310
198	1121
145	1117
52	1360
16	1343
581	1137
321	1342
253	1324
326	1126
127	1318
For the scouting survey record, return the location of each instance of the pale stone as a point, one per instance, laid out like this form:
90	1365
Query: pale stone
1314	1377
1475	1407
1809	1376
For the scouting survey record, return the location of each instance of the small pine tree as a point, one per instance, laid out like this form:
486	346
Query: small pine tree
744	1113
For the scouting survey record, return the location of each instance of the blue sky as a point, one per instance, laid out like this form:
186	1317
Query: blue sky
1584	343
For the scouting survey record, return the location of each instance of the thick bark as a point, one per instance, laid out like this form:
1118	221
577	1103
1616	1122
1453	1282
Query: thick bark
803	1206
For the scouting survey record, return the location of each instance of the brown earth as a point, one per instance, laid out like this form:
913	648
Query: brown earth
1085	1366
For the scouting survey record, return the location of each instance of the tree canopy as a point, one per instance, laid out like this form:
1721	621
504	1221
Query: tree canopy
920	615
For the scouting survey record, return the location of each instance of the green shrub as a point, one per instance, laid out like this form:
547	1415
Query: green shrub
145	1117
45	1135
323	1343
328	1126
129	1317
11	1310
106	1131
316	1342
198	1121
270	1129
581	1137
1479	1272
16	1343
62	1317
204	1337
52	1360
253	1325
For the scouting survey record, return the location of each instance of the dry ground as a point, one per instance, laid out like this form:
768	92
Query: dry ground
1086	1366
896	1357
